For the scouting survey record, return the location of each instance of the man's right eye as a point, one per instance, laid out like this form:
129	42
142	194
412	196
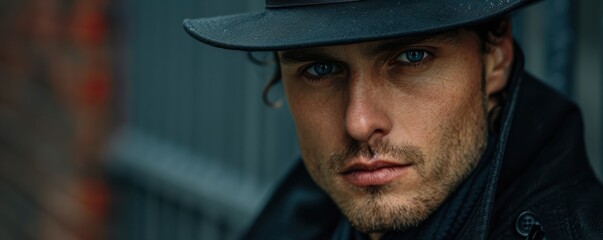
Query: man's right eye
319	70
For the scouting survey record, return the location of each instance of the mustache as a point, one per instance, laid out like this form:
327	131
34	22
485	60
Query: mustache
403	154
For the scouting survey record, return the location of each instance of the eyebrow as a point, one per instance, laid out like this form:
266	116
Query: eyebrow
321	54
307	55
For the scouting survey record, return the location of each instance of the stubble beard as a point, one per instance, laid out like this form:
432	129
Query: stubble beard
380	208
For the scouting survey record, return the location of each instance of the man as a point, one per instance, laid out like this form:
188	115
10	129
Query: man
416	121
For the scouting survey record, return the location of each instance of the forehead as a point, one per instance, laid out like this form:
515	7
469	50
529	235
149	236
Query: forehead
372	48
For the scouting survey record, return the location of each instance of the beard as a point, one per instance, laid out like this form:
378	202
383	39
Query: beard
382	208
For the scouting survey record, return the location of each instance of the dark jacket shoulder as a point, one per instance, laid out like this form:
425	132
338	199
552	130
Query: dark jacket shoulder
546	182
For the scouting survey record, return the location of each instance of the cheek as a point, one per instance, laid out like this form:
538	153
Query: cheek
449	96
316	122
316	136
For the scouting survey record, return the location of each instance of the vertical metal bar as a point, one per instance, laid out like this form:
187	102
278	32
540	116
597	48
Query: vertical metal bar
169	82
151	216
561	46
149	67
136	92
519	28
200	97
251	110
188	89
194	85
532	21
209	229
135	228
600	14
204	87
188	224
588	75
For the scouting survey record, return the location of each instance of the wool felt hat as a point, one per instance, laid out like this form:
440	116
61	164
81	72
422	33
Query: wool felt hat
290	24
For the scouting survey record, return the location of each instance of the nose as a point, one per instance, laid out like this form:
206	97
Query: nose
366	117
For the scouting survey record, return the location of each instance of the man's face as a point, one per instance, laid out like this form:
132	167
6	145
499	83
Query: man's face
389	128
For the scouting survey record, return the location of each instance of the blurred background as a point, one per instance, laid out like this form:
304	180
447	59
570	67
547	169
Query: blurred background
115	124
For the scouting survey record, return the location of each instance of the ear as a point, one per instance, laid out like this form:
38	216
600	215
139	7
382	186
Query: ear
498	64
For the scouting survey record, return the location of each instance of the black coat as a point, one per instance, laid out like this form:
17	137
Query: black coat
539	181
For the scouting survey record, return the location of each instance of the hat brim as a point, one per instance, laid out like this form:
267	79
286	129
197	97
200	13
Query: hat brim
341	23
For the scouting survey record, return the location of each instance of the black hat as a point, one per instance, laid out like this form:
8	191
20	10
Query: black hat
288	24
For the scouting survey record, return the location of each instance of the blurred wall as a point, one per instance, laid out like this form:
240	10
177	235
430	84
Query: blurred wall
197	152
54	81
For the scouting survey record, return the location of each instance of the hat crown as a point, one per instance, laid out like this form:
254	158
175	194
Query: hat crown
294	3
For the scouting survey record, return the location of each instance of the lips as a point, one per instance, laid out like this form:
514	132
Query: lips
373	173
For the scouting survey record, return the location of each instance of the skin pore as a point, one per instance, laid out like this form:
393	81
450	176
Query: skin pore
419	103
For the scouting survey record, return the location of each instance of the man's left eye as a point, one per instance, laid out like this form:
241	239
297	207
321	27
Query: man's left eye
412	56
322	69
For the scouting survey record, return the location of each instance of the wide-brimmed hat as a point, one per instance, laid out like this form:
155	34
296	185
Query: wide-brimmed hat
289	24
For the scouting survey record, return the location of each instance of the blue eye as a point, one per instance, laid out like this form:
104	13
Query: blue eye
322	69
412	56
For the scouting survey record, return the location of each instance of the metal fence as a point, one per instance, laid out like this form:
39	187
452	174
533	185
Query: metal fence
198	152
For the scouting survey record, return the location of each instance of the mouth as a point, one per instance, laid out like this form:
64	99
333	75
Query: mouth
373	173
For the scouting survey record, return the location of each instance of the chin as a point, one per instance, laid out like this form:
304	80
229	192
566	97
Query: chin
379	209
